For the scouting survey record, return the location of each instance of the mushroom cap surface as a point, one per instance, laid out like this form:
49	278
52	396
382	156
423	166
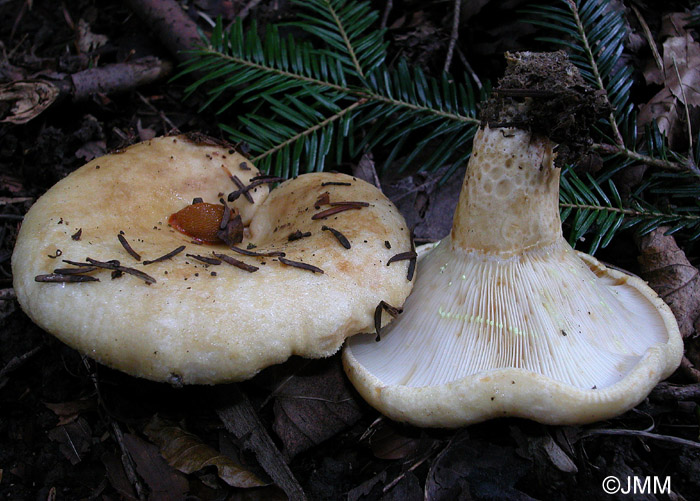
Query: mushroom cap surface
506	319
201	323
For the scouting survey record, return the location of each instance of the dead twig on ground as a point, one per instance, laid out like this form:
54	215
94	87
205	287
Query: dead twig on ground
667	392
177	32
247	8
385	15
240	419
27	99
454	35
644	434
17	362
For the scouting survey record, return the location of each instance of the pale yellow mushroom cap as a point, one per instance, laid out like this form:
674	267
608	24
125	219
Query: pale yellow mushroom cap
506	319
201	323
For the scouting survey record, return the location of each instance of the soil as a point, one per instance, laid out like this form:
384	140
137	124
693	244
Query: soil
72	429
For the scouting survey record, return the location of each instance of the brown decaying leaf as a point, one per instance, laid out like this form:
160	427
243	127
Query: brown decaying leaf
68	412
239	417
312	406
544	449
74	439
117	477
680	77
472	469
387	443
187	453
668	271
163	480
427	205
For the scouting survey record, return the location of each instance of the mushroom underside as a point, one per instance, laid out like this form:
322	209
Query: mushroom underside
552	319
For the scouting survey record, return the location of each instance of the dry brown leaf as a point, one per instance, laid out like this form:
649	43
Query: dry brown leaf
187	453
163	480
68	412
387	443
314	405
74	439
474	469
668	271
680	77
87	40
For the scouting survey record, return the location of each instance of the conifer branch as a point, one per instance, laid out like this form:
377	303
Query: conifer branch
645	159
593	64
310	130
346	39
334	96
626	212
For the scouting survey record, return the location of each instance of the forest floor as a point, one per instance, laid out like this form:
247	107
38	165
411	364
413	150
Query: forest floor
72	429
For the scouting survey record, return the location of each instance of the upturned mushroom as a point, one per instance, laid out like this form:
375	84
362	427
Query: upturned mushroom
173	261
506	319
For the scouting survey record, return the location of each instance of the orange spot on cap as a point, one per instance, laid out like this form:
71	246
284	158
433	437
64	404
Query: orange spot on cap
200	221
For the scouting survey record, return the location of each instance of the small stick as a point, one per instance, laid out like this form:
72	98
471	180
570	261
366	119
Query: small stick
58	278
453	36
645	434
298	235
128	248
323	199
300	265
245	189
339	236
204	259
336	183
242	189
412	261
402	256
116	267
247	252
15	362
166	256
334	210
385	15
391	310
235	262
349	203
74	271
